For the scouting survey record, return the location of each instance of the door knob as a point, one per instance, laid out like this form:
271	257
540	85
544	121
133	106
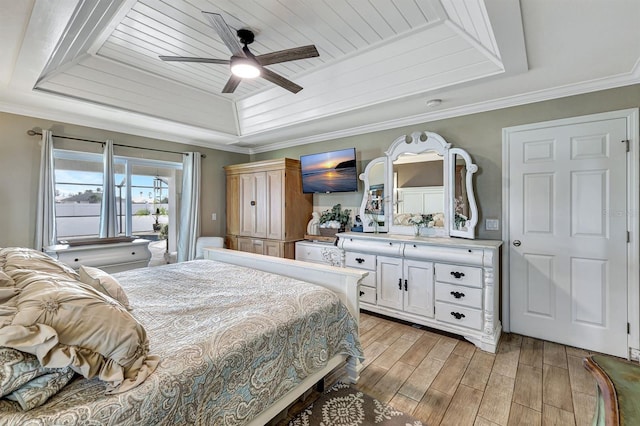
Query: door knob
517	243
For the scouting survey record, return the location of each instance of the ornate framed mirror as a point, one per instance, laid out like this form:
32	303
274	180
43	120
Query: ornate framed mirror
426	189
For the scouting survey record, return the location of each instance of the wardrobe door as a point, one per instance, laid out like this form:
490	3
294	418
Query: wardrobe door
275	219
253	205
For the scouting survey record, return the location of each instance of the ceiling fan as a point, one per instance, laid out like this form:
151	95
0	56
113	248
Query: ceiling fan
245	64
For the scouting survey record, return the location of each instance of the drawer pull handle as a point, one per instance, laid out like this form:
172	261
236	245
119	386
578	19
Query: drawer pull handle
76	259
458	315
361	293
133	253
457	274
390	244
399	283
457	294
405	286
359	259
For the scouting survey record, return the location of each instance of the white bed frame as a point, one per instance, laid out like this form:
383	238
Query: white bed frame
345	282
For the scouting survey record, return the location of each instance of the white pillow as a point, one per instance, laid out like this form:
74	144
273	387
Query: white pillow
105	284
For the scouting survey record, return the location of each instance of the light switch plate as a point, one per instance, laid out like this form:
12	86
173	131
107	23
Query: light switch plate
492	224
214	216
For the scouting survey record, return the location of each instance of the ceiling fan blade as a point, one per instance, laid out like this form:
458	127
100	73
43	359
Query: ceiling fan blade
225	33
193	59
286	55
280	80
232	84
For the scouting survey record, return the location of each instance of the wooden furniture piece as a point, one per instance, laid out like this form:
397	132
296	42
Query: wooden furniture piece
618	390
446	283
113	257
266	209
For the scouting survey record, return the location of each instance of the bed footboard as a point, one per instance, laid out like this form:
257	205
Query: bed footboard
345	282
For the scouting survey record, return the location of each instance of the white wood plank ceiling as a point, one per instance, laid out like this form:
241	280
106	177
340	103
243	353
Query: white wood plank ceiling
95	63
371	51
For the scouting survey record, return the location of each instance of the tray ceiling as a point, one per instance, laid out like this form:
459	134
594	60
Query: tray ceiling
99	61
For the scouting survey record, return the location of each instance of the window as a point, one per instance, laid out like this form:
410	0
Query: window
145	193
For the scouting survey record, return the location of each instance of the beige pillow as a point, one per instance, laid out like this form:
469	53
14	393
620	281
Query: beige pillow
104	283
66	323
5	280
19	258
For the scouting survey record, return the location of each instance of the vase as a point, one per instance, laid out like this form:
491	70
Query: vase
416	230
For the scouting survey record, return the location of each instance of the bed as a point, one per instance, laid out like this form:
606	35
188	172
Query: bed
238	336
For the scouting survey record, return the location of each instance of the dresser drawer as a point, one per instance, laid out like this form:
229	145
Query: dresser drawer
130	255
370	279
457	274
459	315
368	294
308	253
360	260
466	296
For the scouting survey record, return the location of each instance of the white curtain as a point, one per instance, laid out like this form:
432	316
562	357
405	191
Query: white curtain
189	228
108	215
46	213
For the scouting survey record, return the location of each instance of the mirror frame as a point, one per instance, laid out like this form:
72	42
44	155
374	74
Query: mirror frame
471	223
416	143
364	176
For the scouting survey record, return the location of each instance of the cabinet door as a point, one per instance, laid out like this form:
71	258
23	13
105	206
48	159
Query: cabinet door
253	205
272	248
261	206
275	205
418	286
245	244
233	205
257	246
390	284
247	205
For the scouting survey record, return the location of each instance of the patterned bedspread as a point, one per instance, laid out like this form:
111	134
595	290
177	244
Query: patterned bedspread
231	341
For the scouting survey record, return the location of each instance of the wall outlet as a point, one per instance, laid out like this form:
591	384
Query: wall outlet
214	216
492	225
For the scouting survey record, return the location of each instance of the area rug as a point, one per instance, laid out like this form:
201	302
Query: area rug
343	405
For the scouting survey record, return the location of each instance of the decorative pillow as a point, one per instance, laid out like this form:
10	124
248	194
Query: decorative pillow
104	283
66	323
39	390
5	280
24	380
18	258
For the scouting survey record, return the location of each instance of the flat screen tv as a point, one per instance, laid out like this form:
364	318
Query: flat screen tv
326	172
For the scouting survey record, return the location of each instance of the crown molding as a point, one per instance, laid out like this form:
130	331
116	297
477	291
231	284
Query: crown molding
61	110
620	80
186	134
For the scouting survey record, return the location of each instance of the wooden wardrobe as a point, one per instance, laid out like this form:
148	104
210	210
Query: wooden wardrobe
266	209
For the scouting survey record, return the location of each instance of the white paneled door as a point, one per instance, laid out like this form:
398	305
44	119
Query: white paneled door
567	201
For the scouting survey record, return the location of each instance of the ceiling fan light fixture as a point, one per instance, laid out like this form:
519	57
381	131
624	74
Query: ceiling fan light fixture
244	68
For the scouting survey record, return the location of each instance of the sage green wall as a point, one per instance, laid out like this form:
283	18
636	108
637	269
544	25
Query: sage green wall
20	164
480	134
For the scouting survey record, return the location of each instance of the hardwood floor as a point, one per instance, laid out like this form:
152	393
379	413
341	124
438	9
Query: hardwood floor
442	380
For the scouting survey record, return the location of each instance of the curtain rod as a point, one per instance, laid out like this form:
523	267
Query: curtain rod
34	133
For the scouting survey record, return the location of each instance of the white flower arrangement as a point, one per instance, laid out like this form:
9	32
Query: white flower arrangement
422	220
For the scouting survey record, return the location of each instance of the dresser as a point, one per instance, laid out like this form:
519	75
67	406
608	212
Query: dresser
266	209
449	284
112	257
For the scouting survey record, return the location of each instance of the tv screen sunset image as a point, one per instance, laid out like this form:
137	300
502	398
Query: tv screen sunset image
333	171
